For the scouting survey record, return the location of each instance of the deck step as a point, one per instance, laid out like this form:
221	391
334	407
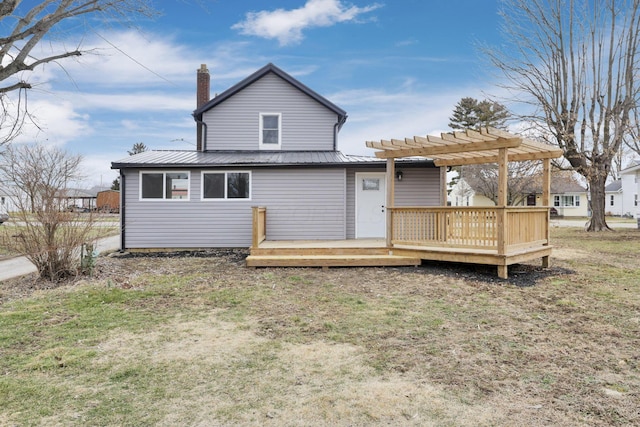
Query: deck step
331	261
319	251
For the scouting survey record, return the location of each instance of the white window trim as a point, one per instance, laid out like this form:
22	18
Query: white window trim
270	146
164	183
225	199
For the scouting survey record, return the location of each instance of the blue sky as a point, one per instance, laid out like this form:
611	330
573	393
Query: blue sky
397	67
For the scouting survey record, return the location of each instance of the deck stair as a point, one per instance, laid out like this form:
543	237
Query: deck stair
327	257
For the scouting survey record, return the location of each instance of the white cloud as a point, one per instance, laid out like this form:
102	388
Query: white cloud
54	122
287	25
387	114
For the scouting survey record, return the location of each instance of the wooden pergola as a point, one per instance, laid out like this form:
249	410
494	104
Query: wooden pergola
468	147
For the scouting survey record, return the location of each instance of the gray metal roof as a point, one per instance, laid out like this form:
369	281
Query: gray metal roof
614	186
270	68
160	158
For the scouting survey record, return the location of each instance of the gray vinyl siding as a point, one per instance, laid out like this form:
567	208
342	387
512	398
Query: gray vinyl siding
302	204
234	123
419	187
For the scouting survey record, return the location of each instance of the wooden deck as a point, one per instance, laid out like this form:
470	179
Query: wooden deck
499	236
374	253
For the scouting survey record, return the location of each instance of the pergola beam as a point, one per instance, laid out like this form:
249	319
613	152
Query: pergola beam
465	147
516	157
446	149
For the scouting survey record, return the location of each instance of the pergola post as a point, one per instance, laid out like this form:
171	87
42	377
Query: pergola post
443	186
546	182
503	165
546	200
391	173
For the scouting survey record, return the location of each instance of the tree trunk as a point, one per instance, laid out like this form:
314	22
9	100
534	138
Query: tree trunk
598	200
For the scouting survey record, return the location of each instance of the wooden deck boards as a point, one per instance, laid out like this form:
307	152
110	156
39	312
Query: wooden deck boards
373	252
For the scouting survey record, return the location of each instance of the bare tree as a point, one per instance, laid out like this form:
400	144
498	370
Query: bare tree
26	26
523	177
49	235
577	62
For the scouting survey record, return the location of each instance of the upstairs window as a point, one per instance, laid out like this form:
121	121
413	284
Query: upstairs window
270	131
164	185
226	185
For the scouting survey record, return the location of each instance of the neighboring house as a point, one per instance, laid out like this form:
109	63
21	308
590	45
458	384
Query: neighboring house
568	198
630	181
267	141
463	194
81	198
7	201
614	199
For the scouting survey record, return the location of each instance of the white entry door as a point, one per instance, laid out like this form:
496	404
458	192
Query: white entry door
370	205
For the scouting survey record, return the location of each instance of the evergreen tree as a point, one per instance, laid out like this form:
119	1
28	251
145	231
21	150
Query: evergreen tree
138	148
115	185
469	113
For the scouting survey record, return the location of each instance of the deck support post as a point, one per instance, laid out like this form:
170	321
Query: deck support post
502	272
391	173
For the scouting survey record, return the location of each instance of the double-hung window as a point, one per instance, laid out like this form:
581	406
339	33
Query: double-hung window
226	185
172	185
270	131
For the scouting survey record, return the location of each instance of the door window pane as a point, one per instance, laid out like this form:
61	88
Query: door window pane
370	184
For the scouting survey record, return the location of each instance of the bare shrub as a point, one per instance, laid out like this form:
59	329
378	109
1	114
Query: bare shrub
47	233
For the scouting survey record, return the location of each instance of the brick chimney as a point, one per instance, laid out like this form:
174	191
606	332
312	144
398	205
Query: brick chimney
202	97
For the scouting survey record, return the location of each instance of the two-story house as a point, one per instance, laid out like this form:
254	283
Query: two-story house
267	141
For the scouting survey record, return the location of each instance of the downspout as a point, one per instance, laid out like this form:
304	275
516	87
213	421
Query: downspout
122	210
336	128
200	145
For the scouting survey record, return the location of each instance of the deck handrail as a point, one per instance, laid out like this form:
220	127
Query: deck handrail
498	228
259	233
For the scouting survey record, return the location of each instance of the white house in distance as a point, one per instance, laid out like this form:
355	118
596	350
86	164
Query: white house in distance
7	201
628	197
568	198
614	199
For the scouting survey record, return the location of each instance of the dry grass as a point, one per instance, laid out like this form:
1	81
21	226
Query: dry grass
204	341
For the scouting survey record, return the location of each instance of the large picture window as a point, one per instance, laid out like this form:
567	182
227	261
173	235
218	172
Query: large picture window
226	185
270	131
566	201
164	185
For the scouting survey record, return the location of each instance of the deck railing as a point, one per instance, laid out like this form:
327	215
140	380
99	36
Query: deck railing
502	229
259	225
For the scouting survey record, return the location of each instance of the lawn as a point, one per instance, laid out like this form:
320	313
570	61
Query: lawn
201	340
